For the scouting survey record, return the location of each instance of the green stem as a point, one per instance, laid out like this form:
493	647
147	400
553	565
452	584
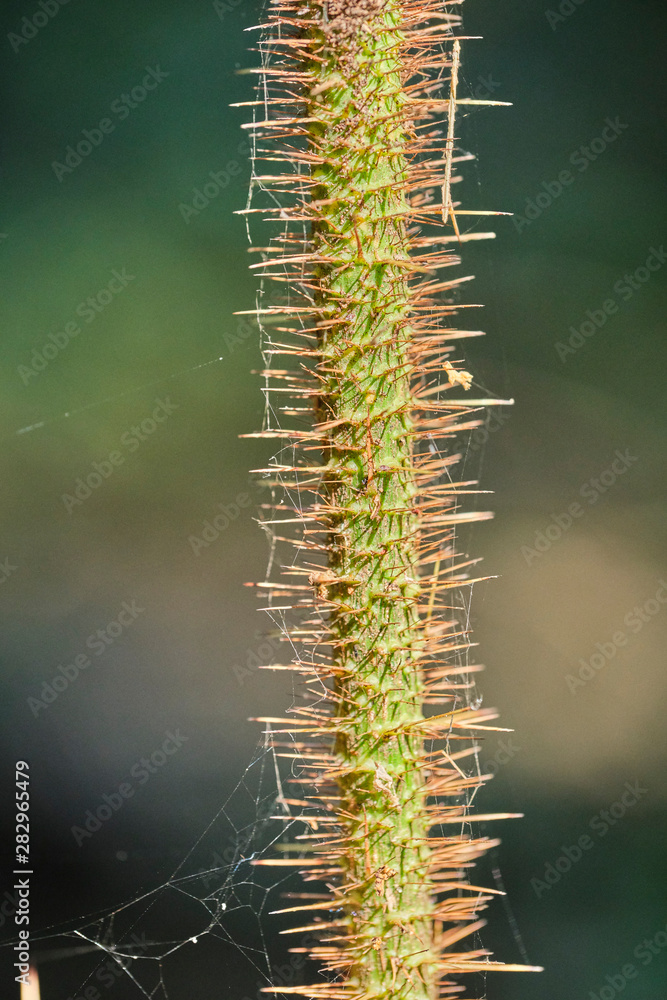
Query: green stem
376	634
363	289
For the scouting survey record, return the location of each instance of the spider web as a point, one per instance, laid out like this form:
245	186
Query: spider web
214	895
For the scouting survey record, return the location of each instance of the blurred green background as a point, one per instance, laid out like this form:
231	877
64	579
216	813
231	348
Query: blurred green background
587	708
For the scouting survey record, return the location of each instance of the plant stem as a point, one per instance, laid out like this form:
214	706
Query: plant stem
378	512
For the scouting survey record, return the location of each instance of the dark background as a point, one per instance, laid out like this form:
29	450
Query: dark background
183	665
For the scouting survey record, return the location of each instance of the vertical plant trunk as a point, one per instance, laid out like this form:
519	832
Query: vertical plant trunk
350	100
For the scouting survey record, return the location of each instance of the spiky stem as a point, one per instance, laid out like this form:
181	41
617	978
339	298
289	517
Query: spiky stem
363	290
375	620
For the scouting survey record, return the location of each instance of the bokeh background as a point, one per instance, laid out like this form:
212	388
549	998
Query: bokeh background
573	633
